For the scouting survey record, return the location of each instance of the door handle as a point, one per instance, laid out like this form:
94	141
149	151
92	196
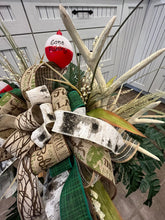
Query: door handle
82	11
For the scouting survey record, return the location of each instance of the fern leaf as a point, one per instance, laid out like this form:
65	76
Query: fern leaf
135	181
154	187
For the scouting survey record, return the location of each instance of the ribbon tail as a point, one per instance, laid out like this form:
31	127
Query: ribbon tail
28	199
73	201
128	150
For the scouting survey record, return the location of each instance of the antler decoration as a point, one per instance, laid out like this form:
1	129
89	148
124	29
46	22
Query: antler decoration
90	58
136	118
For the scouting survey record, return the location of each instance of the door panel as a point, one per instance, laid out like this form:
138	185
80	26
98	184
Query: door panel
152	38
13	16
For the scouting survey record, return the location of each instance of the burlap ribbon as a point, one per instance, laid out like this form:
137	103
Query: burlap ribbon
10	104
21	144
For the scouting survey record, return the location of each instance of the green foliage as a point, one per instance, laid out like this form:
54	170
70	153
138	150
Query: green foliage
140	172
74	75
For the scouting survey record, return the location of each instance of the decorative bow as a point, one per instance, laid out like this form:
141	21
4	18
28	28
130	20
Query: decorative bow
38	149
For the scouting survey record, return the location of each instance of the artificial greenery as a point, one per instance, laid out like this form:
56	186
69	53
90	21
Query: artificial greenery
140	172
74	75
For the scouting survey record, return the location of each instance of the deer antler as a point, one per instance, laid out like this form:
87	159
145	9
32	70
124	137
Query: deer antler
133	71
135	119
90	58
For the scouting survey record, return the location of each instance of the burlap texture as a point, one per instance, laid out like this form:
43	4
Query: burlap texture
54	152
10	104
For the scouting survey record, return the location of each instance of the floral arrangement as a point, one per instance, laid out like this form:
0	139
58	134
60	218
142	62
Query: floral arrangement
67	123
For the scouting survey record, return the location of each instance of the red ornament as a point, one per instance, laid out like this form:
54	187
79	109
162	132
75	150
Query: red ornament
4	87
59	50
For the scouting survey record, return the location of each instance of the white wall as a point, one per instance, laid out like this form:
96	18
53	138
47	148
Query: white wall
31	22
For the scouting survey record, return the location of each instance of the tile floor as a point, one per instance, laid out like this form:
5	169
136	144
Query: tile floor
132	208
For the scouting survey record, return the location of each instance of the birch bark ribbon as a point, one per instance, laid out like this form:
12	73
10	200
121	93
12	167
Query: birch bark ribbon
89	128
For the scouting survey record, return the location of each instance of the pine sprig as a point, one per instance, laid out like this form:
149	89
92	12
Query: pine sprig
74	74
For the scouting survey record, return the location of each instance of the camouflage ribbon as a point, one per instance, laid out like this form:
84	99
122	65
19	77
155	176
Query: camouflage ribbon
96	158
10	104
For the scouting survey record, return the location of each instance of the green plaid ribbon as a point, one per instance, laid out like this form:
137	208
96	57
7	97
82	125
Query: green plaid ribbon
73	201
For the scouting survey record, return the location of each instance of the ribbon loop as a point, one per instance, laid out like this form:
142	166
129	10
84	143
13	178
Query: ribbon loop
89	128
54	152
30	120
18	144
60	100
39	95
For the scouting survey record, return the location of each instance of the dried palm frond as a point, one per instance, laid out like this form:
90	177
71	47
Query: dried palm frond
131	108
13	44
12	73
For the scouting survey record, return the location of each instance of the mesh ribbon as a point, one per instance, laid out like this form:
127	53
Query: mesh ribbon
73	202
60	167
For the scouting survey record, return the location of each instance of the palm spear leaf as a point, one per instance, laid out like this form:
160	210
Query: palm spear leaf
114	120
